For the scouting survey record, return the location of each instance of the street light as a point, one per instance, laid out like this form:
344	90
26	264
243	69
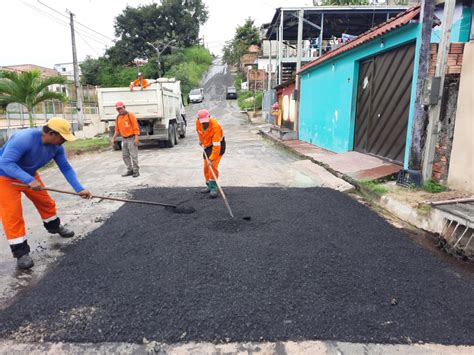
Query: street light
158	52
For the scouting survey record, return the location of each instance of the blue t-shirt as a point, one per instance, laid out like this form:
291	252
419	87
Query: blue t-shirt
24	154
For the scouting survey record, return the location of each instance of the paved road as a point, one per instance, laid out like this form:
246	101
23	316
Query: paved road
250	162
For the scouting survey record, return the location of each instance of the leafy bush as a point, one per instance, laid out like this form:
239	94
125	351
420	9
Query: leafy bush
246	100
186	65
433	187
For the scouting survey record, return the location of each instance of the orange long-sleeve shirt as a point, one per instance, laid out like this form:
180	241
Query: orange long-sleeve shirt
127	125
212	136
137	83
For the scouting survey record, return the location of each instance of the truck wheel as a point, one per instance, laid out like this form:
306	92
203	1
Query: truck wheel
183	131
117	146
175	128
171	136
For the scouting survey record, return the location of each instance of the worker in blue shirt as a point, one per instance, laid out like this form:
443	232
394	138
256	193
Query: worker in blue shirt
20	158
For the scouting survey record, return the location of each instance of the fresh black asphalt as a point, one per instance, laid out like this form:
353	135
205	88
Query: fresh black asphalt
310	264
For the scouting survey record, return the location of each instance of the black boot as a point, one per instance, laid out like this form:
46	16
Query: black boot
63	232
22	254
128	173
55	227
24	262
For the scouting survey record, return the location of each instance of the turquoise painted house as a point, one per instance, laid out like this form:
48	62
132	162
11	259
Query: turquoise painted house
360	96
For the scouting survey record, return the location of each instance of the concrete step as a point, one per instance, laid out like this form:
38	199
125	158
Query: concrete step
282	133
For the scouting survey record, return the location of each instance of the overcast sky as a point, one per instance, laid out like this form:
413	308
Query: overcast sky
31	33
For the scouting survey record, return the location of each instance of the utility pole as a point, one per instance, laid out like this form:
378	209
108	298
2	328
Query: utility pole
77	83
269	87
255	73
159	52
419	114
300	39
435	110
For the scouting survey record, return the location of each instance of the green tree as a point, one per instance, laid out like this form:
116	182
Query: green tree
177	20
244	36
28	89
188	66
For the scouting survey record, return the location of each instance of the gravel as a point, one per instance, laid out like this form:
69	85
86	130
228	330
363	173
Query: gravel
309	264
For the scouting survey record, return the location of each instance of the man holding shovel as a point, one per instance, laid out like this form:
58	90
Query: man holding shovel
27	151
211	138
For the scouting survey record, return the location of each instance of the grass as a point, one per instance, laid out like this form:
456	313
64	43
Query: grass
87	145
82	146
374	186
433	187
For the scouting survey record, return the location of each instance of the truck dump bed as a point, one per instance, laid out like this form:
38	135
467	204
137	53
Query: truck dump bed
152	103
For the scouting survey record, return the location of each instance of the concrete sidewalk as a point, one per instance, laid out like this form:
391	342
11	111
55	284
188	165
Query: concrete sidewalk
351	165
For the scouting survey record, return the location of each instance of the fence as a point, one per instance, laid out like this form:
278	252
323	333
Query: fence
16	117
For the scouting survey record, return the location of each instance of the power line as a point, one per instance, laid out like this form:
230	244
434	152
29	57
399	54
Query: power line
87	43
60	21
77	22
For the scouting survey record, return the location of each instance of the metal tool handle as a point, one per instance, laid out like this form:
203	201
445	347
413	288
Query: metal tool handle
218	185
101	197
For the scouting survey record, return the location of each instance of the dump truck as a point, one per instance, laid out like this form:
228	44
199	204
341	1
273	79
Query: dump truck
159	110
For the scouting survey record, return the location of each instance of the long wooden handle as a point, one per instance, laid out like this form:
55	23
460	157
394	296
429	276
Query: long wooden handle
218	186
102	197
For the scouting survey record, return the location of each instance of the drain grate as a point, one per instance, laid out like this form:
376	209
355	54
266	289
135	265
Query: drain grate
457	234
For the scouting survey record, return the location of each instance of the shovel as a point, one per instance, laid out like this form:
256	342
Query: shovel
173	208
218	186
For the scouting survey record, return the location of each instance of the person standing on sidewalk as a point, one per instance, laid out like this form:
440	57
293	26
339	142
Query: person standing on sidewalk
20	158
126	125
211	138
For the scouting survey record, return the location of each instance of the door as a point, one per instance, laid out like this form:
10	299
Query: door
383	103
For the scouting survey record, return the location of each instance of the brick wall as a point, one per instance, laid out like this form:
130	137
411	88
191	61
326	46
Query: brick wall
448	108
455	54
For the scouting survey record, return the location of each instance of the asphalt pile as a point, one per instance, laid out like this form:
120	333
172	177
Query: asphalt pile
309	264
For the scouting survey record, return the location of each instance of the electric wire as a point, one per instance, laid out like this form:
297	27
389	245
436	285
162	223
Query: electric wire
79	23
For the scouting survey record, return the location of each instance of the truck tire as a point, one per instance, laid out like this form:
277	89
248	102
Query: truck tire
176	135
171	136
183	131
117	146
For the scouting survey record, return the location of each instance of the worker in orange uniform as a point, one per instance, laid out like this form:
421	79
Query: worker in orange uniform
20	158
211	137
139	82
126	125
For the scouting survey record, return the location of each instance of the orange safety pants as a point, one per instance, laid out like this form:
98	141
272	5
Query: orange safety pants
207	170
11	212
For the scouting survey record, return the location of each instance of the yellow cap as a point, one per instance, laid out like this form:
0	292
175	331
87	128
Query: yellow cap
62	126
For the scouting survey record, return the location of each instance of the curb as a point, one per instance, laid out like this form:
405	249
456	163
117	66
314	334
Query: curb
336	173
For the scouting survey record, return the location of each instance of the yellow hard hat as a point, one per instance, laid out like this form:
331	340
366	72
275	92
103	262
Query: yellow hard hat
62	126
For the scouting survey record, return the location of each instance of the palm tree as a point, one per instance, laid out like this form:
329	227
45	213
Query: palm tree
28	89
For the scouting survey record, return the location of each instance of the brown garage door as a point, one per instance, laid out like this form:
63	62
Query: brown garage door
383	102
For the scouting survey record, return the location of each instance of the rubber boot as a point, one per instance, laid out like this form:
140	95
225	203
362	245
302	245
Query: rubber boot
206	190
62	231
212	189
24	262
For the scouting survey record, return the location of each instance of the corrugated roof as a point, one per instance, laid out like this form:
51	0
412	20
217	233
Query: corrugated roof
393	23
